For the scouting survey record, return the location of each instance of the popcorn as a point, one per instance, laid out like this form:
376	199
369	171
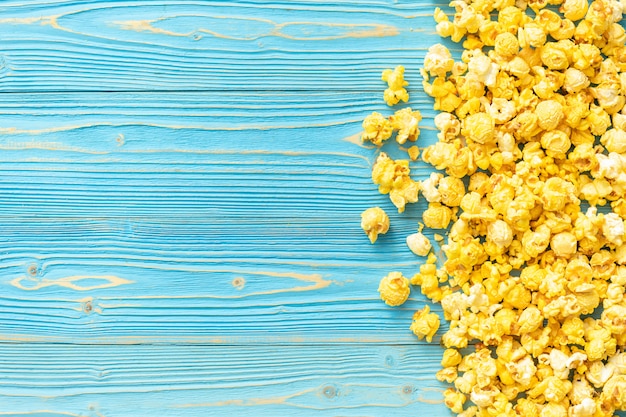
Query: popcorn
394	289
374	221
396	91
525	269
376	129
419	244
425	324
437	216
479	127
574	9
549	114
438	61
393	178
406	122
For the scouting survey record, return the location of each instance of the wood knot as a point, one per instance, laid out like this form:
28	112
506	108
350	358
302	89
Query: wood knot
88	306
238	283
32	270
407	389
329	391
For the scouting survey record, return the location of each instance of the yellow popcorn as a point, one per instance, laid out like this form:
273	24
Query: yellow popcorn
556	143
451	357
506	44
479	128
393	178
564	244
374	221
451	190
394	289
531	34
454	400
419	244
437	216
524	267
536	242
449	126
438	61
500	233
425	324
396	91
574	9
549	114
406	122
613	394
613	228
413	152
575	80
614	140
376	129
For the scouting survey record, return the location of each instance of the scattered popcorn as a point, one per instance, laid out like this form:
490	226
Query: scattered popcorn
374	221
425	324
534	115
394	289
396	91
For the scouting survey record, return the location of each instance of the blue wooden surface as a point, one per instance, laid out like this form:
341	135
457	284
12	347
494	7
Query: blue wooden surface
180	191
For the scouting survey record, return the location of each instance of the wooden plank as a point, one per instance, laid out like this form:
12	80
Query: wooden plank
138	218
174	45
185	381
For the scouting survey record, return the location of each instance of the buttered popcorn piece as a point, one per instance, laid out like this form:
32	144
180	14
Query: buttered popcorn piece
393	178
396	91
406	122
374	221
425	324
376	129
394	289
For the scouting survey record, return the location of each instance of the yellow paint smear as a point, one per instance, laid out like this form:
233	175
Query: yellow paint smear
70	282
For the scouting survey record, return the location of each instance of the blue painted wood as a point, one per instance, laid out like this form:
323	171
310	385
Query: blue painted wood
193	380
169	225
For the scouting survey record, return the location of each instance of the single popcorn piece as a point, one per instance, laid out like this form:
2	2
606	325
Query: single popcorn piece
613	228
437	216
425	324
479	128
413	152
406	122
564	244
396	91
376	129
438	61
394	289
419	244
374	221
393	178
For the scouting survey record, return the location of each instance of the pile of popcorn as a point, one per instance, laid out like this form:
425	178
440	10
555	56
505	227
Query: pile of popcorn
531	141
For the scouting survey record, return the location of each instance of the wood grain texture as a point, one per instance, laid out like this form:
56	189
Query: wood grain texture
148	222
209	45
183	380
180	190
